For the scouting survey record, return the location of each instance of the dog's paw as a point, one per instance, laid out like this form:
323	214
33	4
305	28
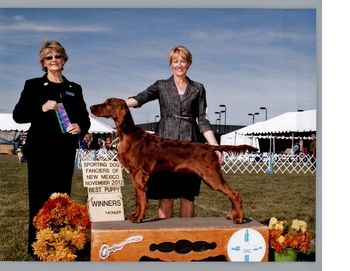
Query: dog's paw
235	217
135	218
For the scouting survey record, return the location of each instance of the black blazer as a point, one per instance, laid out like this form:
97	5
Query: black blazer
180	120
45	130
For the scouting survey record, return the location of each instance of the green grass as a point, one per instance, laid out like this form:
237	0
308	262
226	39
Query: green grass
285	196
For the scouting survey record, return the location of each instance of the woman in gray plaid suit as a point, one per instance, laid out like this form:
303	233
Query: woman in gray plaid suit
182	117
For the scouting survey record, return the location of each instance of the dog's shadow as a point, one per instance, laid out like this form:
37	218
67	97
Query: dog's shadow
246	220
150	220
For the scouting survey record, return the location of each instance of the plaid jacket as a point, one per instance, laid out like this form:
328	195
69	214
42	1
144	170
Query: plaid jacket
179	120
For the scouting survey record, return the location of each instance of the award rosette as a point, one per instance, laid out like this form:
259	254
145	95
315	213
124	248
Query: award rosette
62	117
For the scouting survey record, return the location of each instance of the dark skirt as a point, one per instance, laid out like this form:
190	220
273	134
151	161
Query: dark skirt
47	174
170	185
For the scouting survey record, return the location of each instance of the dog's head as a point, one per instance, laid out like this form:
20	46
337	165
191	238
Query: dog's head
111	108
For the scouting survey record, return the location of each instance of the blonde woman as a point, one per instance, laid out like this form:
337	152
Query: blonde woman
182	117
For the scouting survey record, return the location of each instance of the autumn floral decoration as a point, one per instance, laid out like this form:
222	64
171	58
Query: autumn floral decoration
293	235
62	226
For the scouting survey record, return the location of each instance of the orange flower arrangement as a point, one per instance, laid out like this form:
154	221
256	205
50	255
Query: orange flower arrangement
62	229
289	235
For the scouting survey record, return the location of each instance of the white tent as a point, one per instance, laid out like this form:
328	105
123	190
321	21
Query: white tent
236	139
290	122
99	127
8	124
10	130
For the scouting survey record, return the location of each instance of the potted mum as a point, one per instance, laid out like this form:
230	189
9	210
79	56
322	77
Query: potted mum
61	229
287	239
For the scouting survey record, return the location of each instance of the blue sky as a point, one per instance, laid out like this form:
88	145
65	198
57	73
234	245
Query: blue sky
246	58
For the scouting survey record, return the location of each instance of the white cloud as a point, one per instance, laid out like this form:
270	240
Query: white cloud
20	23
18	18
50	28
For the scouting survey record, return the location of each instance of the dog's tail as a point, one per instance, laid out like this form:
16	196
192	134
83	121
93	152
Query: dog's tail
234	149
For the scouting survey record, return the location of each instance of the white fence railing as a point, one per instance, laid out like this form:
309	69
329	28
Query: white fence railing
269	163
242	163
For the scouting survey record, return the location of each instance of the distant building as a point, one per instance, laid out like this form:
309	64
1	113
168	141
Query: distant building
218	129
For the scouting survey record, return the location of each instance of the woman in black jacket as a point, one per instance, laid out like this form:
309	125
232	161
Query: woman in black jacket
51	143
183	117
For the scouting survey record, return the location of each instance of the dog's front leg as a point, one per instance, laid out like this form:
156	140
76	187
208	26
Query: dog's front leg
139	181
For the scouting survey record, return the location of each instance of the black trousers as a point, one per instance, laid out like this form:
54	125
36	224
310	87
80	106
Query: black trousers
47	174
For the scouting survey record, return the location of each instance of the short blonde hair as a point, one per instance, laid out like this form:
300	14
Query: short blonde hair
49	46
182	51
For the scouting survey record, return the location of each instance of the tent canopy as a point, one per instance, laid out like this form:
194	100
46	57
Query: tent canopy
8	124
289	122
99	127
9	129
236	139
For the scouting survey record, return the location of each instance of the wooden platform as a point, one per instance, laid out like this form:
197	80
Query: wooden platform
179	239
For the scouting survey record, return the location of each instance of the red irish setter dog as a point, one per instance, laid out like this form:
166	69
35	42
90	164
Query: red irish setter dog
142	154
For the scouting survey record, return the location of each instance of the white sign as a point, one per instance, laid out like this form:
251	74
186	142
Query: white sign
246	245
103	180
105	207
102	173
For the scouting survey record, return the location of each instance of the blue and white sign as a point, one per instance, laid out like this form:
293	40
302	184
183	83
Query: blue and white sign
246	245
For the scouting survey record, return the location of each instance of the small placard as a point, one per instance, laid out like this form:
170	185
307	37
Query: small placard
102	173
105	207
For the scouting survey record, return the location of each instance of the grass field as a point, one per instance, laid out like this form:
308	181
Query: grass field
283	196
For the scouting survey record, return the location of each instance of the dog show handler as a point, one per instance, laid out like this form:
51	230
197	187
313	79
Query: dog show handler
50	151
182	117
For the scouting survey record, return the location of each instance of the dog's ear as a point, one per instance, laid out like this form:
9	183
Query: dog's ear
121	109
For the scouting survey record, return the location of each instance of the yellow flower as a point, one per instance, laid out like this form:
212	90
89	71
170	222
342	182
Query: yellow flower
45	235
303	227
280	239
75	237
277	225
280	225
58	195
284	235
62	229
273	222
299	225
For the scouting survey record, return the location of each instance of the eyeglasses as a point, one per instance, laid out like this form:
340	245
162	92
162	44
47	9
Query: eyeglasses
48	58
